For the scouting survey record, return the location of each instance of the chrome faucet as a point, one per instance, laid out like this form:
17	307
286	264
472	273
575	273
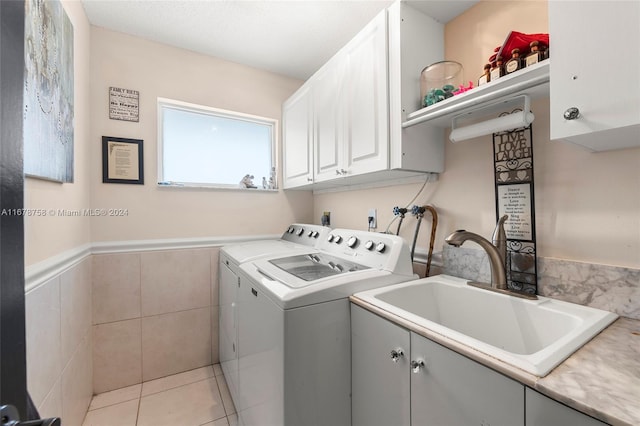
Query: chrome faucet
497	250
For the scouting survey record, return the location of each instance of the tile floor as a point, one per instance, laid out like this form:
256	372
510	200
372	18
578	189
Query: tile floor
198	397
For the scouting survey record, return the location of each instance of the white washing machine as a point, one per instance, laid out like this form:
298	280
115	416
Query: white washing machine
294	366
297	238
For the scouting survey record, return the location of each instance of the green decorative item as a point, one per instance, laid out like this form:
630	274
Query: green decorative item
438	82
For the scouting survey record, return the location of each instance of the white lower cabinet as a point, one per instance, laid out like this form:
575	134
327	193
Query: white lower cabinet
544	411
380	383
450	389
402	378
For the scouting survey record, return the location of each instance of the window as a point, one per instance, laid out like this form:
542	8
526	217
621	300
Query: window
203	146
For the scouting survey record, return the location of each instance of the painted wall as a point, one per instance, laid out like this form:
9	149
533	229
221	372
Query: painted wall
587	205
53	234
157	70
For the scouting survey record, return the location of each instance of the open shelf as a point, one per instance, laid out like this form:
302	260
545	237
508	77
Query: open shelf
533	81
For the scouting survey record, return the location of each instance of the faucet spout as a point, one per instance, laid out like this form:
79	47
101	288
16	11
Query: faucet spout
499	239
497	255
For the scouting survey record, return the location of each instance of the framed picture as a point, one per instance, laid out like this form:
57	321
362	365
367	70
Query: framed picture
124	104
48	92
122	160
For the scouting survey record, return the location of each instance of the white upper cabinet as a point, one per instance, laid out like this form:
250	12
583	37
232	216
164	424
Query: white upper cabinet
297	139
328	107
367	112
595	73
358	101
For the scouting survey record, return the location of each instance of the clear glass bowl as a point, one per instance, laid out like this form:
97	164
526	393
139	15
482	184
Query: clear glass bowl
439	81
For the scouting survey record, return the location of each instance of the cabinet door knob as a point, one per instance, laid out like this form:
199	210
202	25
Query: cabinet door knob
396	354
416	365
571	113
309	180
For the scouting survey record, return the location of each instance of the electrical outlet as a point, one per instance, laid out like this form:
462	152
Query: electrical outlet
374	223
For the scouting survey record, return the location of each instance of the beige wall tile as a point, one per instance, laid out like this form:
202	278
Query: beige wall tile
44	365
175	280
215	259
52	404
77	384
75	304
215	333
117	355
175	342
116	287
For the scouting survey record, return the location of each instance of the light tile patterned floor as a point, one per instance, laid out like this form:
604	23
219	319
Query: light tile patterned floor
194	398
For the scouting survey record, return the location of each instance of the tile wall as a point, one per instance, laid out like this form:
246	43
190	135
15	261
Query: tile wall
611	288
59	342
154	314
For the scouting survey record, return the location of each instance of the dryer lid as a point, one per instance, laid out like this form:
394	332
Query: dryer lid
315	266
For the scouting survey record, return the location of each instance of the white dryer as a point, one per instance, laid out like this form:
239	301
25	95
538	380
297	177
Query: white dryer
297	238
294	366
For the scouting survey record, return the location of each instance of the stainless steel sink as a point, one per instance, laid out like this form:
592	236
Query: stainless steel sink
534	335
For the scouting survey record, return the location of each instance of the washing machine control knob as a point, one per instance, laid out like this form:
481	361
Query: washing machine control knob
381	247
369	245
330	238
300	232
337	239
315	234
290	230
352	241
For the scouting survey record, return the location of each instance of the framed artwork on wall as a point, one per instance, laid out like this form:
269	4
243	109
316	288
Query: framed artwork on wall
48	92
122	161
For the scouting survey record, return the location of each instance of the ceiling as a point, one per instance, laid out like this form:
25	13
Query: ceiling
292	37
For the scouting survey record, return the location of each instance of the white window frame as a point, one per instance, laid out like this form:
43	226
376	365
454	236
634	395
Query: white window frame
203	109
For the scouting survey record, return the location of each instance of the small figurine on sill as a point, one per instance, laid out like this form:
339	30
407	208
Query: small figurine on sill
247	182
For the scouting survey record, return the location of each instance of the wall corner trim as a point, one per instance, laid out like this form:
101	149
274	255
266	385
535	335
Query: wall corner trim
41	272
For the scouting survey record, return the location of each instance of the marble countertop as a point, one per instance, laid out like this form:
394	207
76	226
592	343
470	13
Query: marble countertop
601	379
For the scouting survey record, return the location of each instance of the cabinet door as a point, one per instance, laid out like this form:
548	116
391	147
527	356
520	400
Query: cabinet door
328	123
594	69
228	330
543	411
297	144
367	126
451	389
380	386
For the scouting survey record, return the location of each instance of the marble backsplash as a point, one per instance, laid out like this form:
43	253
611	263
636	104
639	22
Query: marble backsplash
612	288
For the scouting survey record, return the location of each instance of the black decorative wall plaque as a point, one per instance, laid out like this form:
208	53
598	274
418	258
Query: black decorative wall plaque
513	160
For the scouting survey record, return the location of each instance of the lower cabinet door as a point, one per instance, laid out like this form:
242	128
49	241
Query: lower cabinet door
380	377
450	389
543	411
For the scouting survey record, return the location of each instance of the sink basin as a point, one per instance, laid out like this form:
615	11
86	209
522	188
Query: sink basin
533	335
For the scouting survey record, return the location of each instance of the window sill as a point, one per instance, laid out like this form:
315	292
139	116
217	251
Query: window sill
178	185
